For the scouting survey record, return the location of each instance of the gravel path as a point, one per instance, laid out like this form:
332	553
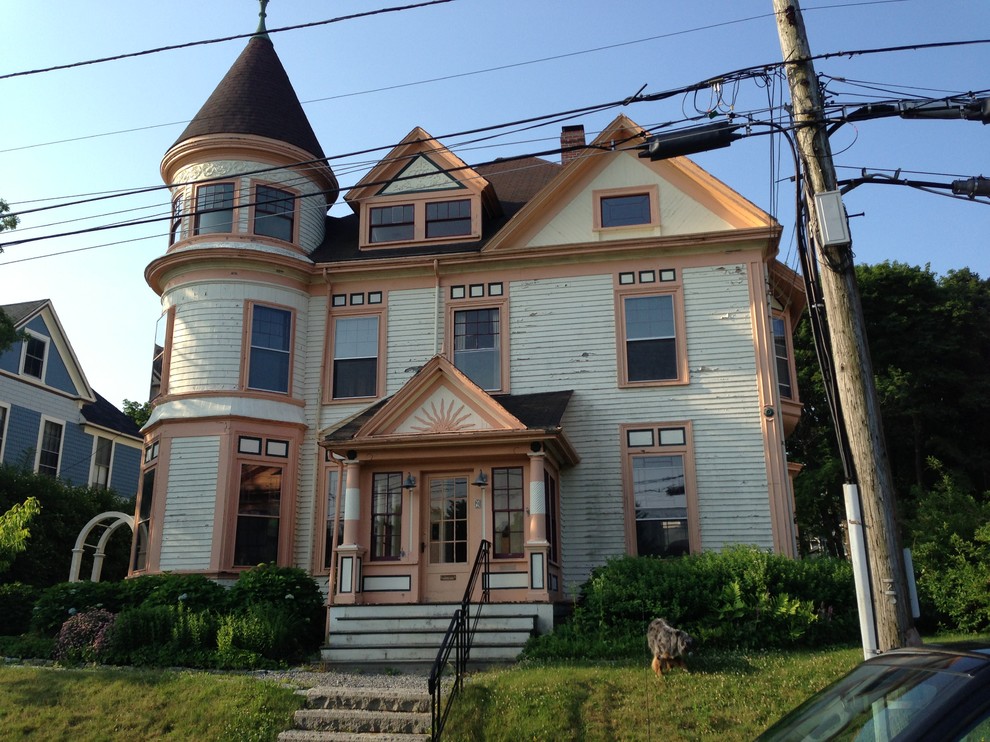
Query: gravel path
302	678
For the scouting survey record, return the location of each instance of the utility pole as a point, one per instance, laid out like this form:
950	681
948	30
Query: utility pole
853	368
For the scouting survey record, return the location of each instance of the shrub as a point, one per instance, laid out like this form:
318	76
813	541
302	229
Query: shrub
59	602
16	606
138	631
295	596
83	638
27	646
960	588
194	592
741	597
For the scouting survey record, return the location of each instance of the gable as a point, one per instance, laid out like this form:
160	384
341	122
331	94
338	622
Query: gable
421	174
439	400
61	370
576	208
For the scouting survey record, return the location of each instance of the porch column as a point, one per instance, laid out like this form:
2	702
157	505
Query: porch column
537	546
350	554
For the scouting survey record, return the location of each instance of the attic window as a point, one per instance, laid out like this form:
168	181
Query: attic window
619	208
392	223
448	218
626	211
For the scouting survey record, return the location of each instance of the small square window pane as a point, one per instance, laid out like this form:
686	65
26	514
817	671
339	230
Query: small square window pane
627	278
457	292
277	448
672	437
668	275
340	300
477	289
249	445
647	277
640	438
357	300
494	289
375	297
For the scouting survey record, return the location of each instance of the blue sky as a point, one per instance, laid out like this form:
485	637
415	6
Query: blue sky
452	67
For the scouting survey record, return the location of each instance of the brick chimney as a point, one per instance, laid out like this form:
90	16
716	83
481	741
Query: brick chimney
571	136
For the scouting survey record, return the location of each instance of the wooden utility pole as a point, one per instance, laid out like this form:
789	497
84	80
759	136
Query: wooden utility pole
850	353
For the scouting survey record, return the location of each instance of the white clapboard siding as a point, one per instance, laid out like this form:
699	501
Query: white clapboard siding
309	347
191	503
562	337
410	344
208	333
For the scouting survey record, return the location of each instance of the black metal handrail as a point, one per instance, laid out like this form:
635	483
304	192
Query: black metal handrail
458	640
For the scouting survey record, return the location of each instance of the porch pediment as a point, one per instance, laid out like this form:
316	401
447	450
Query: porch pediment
439	400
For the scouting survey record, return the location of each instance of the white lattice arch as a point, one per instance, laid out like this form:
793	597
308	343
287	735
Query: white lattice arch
110	521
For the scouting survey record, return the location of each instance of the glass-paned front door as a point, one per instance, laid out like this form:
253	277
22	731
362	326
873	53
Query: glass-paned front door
447	546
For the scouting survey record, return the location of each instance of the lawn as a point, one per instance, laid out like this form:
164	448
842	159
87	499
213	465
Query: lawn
119	704
725	696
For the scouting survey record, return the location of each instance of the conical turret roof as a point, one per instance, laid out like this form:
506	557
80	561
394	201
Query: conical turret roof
256	97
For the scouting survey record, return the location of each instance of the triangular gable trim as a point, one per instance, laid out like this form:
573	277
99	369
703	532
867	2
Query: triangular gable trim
439	400
624	135
419	176
416	144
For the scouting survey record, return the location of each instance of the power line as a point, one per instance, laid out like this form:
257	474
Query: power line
204	42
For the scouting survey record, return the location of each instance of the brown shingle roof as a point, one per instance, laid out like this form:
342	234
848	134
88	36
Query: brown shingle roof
256	97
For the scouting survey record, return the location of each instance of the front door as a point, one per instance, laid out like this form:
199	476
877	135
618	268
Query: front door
447	552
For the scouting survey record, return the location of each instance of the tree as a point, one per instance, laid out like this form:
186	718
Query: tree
930	344
9	334
138	412
7	220
13	530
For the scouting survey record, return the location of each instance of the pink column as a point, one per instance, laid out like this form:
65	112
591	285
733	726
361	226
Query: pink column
350	554
537	546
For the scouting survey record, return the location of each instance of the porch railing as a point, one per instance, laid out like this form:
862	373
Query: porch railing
458	640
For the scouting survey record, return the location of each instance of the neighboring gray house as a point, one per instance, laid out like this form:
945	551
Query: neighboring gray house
51	420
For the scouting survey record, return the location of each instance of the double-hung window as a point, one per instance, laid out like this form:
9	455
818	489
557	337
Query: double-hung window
477	346
259	505
651	347
271	338
142	529
274	211
175	228
658	488
508	513
782	357
386	516
102	455
50	448
392	223
448	218
214	208
355	356
35	352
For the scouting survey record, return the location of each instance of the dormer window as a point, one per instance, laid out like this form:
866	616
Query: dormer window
448	218
392	223
215	208
274	212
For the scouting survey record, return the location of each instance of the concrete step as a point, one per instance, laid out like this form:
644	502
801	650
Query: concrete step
359	720
425	654
304	735
430	623
368	699
417	637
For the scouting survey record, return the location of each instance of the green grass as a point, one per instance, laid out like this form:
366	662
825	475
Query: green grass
725	696
123	704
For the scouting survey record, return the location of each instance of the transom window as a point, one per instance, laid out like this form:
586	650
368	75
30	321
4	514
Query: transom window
274	211
271	331
386	516
625	211
392	223
355	356
477	346
214	208
508	513
448	218
656	460
651	338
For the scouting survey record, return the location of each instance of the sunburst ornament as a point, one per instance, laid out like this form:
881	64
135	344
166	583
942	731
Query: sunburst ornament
446	419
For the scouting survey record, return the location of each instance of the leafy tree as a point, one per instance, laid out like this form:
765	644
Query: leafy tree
138	412
930	345
9	334
7	220
64	511
13	530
